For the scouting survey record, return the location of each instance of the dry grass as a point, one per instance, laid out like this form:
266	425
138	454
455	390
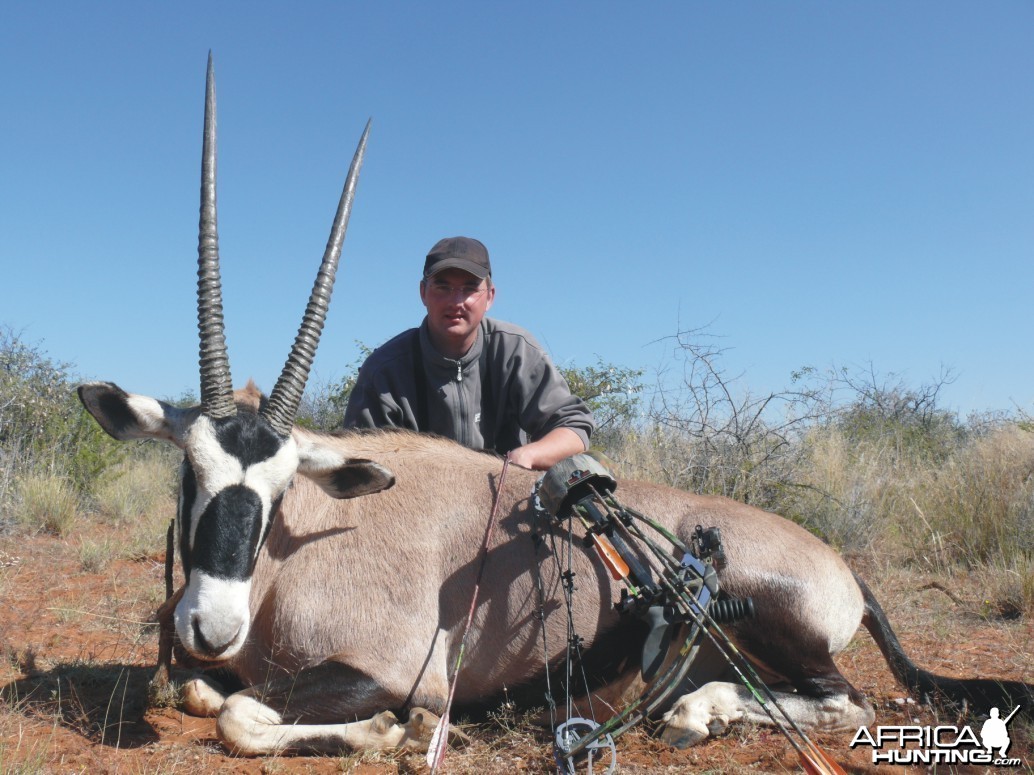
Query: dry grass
19	757
982	500
135	489
95	556
971	512
137	499
969	508
46	502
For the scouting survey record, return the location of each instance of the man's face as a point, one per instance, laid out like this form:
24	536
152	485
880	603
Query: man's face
456	302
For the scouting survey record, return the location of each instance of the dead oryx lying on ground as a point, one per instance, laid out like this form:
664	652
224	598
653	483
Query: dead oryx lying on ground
332	573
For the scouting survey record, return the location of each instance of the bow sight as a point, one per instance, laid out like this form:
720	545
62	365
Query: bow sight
665	580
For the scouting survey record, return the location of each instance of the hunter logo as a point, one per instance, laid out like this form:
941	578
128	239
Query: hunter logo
941	744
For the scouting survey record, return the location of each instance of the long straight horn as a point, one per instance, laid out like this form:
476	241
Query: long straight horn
287	394
216	386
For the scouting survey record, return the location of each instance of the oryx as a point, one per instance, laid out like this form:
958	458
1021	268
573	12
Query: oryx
331	573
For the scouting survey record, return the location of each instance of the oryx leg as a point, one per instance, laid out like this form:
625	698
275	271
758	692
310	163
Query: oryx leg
249	727
305	712
812	692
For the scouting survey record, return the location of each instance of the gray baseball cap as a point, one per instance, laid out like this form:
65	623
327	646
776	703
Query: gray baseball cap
463	253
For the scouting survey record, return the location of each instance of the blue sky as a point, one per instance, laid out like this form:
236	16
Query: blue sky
815	183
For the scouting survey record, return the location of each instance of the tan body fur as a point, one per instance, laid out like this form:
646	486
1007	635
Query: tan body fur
382	583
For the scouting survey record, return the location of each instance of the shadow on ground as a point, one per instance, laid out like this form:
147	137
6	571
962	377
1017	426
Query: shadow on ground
104	703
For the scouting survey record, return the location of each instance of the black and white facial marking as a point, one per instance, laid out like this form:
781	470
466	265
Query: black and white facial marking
234	473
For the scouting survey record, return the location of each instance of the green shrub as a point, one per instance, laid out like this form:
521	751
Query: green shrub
886	412
90	451
324	402
611	392
43	427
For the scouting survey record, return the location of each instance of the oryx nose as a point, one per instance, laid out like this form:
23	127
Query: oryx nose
207	646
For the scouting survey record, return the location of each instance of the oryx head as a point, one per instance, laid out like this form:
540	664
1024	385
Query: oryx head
237	464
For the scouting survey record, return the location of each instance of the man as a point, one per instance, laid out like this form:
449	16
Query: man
485	383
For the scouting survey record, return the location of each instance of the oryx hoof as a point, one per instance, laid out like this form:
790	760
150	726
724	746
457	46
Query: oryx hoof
384	722
199	698
421	724
683	727
682	737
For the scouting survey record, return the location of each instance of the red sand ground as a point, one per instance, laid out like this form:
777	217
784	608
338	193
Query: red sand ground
78	655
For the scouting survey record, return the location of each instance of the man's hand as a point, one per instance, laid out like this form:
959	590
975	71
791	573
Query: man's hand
551	448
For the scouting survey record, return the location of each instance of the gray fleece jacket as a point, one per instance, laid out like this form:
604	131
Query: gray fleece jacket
521	395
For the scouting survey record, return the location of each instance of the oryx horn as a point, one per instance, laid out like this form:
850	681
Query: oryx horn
287	394
216	386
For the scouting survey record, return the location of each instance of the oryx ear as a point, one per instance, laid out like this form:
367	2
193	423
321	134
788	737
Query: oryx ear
125	416
340	476
352	478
